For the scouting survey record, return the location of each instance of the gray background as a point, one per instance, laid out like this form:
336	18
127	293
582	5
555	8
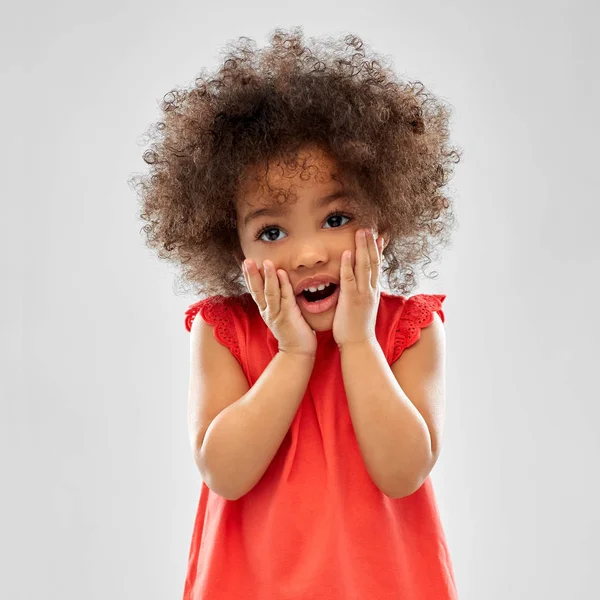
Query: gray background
99	488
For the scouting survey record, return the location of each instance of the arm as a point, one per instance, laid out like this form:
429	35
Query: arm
242	440
398	434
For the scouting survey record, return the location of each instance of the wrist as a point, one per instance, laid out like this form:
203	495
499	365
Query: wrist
298	355
369	343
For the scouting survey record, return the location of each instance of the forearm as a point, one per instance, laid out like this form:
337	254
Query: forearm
392	435
242	440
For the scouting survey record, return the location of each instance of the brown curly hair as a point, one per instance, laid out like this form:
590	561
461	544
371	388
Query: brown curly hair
389	137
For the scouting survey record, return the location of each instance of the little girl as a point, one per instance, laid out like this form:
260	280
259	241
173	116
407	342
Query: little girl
316	400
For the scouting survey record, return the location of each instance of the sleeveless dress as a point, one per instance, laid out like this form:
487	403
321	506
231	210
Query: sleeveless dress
316	527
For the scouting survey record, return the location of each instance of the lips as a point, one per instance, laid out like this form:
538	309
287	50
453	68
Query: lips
313	282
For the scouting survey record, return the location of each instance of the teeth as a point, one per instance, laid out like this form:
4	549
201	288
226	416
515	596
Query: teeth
314	289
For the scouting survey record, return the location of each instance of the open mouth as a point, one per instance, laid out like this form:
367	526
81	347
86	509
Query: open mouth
319	294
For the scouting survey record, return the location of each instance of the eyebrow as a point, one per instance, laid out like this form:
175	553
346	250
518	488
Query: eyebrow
275	210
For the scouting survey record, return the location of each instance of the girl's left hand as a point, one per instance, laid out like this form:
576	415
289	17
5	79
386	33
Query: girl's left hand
356	310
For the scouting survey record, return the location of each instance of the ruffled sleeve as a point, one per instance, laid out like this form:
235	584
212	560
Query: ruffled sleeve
216	311
416	314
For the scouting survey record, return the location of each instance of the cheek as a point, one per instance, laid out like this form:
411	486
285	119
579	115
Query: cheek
350	240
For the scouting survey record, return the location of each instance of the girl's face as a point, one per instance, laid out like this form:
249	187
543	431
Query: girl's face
305	237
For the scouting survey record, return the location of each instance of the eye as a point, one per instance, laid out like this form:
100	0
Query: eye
267	228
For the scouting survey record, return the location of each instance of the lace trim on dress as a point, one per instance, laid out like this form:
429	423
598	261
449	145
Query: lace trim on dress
417	313
216	312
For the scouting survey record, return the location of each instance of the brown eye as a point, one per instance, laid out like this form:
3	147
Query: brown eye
273	227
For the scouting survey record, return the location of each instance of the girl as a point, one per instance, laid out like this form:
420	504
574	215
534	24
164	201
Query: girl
316	400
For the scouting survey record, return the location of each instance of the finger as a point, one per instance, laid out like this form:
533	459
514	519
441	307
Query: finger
380	249
244	275
256	284
373	258
247	277
272	292
363	261
347	279
288	298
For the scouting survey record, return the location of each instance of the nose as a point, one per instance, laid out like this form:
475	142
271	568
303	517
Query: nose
308	254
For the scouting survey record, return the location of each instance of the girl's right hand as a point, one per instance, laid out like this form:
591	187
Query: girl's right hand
278	307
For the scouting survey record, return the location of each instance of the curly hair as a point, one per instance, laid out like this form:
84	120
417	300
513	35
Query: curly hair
390	137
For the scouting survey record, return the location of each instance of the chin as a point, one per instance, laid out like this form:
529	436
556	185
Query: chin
322	322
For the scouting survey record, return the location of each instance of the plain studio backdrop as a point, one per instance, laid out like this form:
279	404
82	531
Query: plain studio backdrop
99	487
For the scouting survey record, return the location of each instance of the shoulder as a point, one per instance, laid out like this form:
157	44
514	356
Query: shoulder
406	320
416	313
221	314
421	335
216	309
208	308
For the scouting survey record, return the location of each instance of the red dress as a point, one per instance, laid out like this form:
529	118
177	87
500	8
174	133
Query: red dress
316	527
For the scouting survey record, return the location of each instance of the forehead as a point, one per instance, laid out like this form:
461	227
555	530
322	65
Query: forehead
277	209
313	176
